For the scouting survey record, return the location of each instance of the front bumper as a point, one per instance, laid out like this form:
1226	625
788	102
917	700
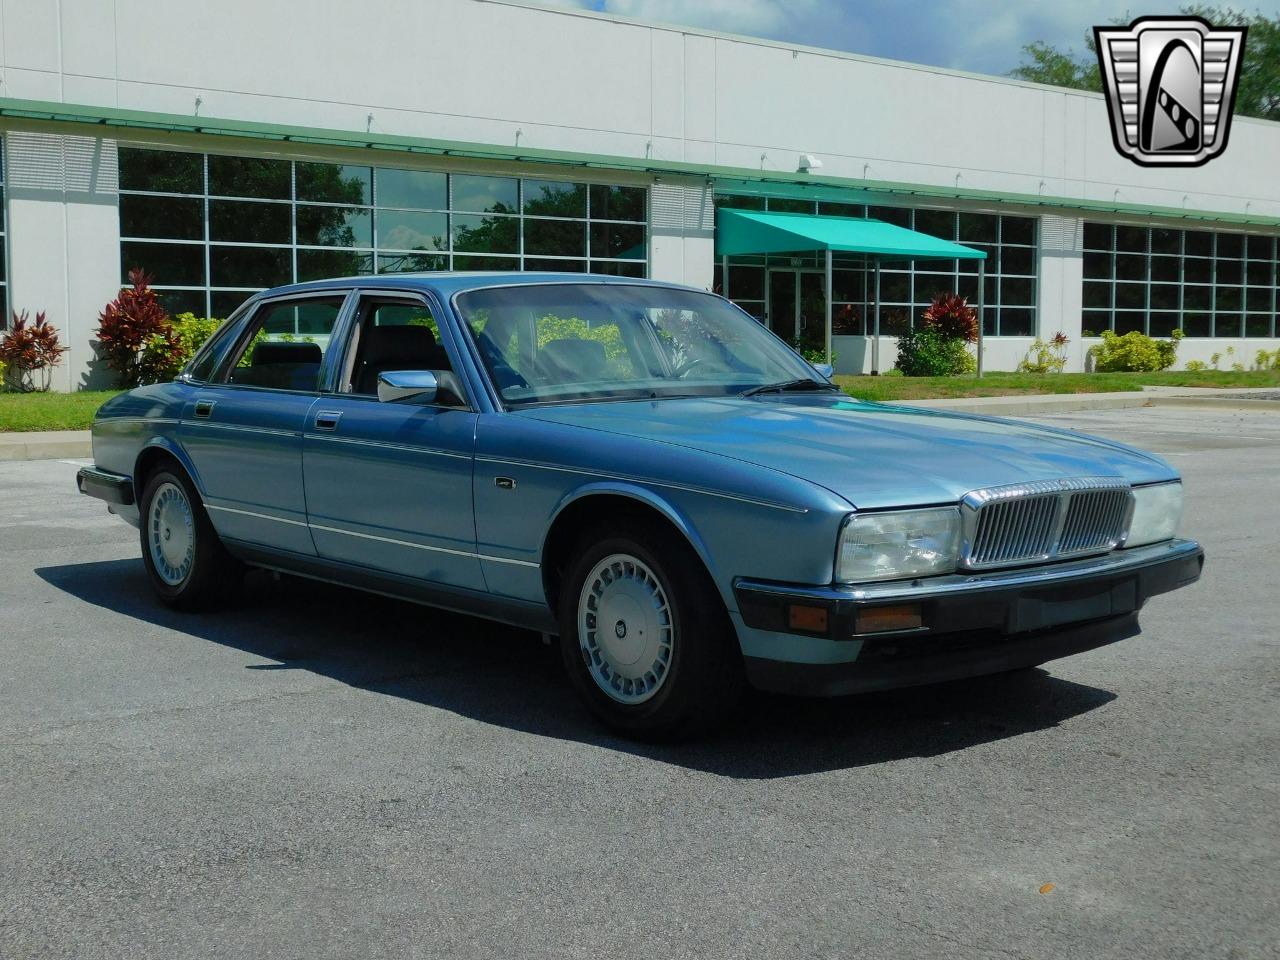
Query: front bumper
971	623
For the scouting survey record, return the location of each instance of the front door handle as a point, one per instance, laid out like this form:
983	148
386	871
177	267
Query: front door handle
328	419
204	408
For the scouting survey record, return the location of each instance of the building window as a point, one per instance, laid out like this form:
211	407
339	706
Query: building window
1012	268
4	247
1157	279
213	229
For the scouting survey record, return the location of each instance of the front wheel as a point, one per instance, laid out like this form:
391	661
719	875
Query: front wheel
188	567
644	636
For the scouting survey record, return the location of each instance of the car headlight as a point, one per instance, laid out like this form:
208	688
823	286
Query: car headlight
897	545
1157	511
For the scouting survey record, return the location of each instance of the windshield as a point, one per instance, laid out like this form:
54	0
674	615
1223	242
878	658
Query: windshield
567	342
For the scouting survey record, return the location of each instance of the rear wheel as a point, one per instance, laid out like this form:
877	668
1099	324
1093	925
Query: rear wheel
644	636
186	562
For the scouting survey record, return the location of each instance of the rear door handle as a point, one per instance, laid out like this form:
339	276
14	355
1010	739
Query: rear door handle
328	419
204	408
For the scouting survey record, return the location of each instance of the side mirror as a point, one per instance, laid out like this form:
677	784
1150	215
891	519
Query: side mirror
825	369
396	385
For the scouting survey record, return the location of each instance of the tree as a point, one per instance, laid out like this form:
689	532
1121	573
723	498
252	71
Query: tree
1259	91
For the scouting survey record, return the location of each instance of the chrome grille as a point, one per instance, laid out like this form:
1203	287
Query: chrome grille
1045	520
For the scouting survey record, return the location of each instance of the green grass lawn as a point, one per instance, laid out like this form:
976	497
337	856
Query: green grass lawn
1013	384
50	411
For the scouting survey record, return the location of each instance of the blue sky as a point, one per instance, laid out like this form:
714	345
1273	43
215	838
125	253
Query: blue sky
983	36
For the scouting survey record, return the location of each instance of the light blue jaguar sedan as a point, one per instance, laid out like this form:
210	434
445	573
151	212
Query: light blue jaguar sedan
642	470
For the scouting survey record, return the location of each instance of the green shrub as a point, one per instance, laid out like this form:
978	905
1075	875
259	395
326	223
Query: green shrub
1197	365
1266	360
1046	357
928	353
167	352
1134	352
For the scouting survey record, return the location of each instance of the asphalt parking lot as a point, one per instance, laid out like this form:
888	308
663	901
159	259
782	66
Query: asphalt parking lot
320	773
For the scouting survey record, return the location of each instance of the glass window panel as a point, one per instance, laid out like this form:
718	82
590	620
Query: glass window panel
1130	321
1259	272
1131	267
789	205
635	269
1017	291
1257	325
848	285
1196	270
847	320
335	183
168	264
1197	325
1018	260
562	238
244	221
1097	294
409	262
1017	230
473	233
1163	324
1229	271
894	287
1097	266
1164	296
556	266
746	283
249	177
618	203
335	226
1094	322
324	264
415	189
1230	246
1164	240
1258	299
830	209
183	301
161	171
1131	239
249	266
622	241
168	218
1260	248
1097	236
990	290
735	202
1197	297
898	215
1229	299
978	228
553	198
1131	296
1166	269
1015	322
989	322
411	230
936	223
971	266
894	321
1226	325
486	263
485	194
929	284
1199	243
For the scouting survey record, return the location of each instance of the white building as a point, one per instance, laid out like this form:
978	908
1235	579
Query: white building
232	145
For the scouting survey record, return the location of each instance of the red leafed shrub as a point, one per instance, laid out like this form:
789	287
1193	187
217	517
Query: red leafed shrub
951	317
30	349
135	335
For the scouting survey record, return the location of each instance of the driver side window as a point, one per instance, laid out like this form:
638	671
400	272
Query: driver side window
393	335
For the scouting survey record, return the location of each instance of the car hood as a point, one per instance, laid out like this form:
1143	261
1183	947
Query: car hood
873	455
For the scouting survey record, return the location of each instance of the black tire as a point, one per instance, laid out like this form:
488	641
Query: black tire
212	574
703	677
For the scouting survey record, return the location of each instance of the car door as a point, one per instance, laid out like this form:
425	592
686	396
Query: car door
388	485
243	428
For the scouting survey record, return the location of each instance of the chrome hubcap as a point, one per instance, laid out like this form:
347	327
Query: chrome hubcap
171	534
625	629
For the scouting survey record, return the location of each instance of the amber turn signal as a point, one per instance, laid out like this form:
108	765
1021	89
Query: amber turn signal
812	619
908	616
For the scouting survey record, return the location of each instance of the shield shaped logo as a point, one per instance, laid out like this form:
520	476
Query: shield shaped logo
1170	84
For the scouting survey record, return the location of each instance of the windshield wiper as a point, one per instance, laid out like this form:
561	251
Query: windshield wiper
790	386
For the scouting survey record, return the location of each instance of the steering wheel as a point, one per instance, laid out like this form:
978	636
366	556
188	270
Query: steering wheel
685	367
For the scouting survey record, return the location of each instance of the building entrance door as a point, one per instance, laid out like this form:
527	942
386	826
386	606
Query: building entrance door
797	304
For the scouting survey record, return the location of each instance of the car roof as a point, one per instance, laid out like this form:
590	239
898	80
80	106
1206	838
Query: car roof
446	283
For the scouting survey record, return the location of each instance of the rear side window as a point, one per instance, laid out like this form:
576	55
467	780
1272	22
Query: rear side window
285	344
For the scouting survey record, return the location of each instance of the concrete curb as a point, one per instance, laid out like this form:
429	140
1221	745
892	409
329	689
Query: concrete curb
45	445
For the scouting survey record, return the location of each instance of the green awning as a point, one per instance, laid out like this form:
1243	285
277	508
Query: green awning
749	232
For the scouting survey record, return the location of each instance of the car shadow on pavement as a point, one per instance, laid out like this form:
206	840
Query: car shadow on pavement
505	676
